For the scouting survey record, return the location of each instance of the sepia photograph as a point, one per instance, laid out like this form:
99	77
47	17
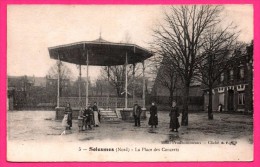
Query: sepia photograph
130	83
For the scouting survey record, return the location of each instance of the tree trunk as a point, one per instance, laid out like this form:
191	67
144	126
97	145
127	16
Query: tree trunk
210	114
118	92
171	97
184	120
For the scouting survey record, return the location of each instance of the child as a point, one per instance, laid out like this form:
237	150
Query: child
81	119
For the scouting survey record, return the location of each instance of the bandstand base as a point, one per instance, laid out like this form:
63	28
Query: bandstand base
127	114
59	113
119	113
61	110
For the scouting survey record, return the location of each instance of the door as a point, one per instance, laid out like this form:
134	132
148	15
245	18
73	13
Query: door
230	100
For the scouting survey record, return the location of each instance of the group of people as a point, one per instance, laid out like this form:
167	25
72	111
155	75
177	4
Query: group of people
153	120
88	117
91	117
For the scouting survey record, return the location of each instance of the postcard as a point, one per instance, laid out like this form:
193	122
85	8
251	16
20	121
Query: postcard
130	83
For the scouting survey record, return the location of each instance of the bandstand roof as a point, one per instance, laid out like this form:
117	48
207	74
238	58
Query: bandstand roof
101	53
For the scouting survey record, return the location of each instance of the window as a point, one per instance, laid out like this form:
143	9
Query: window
50	83
231	74
222	77
241	98
242	73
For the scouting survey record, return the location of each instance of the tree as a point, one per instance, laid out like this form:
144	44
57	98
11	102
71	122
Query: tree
116	76
218	47
65	74
100	86
180	41
127	38
166	76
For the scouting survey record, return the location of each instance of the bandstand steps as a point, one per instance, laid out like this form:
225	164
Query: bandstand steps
109	115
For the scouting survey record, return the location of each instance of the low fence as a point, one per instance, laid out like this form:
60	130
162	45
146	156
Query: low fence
102	102
196	103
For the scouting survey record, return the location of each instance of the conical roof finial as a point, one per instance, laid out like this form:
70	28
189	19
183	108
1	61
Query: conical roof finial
100	33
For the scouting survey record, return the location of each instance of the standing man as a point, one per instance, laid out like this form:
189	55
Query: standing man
137	114
95	110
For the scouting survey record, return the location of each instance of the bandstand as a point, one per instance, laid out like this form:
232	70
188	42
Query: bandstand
100	53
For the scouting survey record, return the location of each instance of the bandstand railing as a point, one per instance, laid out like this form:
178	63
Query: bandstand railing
102	102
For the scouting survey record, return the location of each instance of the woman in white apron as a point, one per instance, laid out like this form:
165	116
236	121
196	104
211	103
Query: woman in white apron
95	110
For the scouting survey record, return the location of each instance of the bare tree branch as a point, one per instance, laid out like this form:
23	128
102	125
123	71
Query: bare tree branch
179	42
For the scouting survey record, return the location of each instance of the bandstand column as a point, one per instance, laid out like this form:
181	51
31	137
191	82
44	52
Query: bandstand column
126	62
80	86
58	91
143	85
133	83
108	94
87	62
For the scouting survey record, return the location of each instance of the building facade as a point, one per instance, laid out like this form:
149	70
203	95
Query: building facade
233	92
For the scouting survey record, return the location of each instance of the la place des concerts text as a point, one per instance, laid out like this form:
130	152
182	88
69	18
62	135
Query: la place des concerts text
135	149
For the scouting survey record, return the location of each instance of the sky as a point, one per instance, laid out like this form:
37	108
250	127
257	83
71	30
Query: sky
31	29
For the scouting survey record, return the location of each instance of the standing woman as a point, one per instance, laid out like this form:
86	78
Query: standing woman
91	115
153	120
174	114
95	111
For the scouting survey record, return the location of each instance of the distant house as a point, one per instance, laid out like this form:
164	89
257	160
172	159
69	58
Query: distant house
52	87
26	92
161	95
18	89
233	90
38	81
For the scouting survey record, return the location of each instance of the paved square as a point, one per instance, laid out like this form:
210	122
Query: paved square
25	126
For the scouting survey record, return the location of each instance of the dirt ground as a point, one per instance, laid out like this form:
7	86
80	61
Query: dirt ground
42	126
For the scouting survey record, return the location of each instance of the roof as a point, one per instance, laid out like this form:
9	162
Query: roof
38	81
101	53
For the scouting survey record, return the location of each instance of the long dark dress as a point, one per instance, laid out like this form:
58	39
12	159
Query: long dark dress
88	113
174	122
153	120
68	111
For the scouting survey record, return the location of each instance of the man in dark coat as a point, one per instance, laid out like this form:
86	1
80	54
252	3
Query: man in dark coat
174	114
137	114
153	120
